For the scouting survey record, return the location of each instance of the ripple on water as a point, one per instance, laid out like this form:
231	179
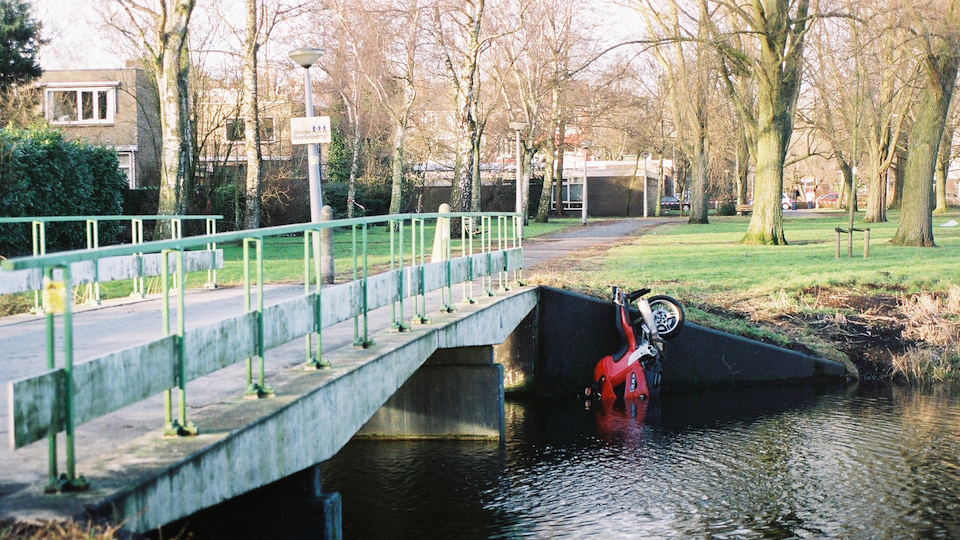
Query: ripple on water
767	463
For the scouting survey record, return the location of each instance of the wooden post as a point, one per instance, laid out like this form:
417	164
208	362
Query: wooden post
866	243
836	252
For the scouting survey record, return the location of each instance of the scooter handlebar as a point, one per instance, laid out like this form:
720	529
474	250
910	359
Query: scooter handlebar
637	294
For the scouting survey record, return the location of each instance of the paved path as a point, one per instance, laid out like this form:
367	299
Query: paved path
122	323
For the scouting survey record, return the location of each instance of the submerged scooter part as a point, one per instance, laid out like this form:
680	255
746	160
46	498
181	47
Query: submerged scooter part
634	371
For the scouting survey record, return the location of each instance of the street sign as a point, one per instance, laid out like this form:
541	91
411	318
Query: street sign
310	130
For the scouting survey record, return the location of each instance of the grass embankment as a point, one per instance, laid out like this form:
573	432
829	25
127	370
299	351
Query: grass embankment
896	313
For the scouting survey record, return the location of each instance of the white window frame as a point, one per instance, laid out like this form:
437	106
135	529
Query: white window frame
131	169
109	89
239	120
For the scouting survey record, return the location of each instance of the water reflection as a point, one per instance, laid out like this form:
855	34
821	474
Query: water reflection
770	463
785	462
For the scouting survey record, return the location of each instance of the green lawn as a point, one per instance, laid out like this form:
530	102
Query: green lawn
686	258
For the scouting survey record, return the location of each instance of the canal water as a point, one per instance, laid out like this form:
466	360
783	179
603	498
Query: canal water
779	462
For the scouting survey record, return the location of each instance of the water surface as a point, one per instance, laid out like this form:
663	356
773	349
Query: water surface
781	462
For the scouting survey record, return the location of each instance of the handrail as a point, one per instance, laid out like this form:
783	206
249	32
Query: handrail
38	233
45	404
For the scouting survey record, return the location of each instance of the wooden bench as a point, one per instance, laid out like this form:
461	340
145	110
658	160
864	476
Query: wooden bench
744	209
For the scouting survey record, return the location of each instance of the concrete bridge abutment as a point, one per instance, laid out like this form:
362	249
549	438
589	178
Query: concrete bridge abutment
456	394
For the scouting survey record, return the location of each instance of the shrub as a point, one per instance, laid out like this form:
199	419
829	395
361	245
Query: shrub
41	174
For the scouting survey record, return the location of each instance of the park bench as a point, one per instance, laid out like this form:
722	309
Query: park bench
744	209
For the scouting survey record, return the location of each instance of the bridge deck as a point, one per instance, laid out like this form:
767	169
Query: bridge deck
259	441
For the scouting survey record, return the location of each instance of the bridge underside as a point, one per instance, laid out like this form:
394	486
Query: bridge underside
153	481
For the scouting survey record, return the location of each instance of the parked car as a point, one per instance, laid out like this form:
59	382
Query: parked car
786	201
673	203
828	200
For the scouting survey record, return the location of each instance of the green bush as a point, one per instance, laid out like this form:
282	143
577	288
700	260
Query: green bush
727	208
41	174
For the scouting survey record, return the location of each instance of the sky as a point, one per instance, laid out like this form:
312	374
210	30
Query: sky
72	29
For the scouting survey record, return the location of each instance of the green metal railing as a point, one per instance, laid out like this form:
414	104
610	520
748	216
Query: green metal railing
43	405
92	294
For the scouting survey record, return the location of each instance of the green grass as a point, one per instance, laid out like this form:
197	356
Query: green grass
686	257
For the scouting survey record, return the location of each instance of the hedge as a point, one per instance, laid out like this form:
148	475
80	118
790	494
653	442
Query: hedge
41	174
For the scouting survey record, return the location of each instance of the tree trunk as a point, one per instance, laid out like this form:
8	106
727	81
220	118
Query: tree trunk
354	167
943	167
176	146
396	183
699	206
766	225
916	220
251	116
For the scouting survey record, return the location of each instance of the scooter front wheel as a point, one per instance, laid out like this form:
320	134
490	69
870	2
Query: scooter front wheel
668	315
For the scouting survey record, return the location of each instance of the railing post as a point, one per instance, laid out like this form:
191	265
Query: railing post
38	233
261	389
136	232
398	324
180	427
52	472
365	341
93	242
211	247
311	241
64	298
420	300
466	245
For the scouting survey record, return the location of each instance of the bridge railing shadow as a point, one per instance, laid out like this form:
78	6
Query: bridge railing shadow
63	397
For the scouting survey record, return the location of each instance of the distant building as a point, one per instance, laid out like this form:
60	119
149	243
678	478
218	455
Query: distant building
117	108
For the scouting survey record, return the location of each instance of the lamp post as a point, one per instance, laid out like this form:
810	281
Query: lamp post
583	214
306	57
520	209
645	156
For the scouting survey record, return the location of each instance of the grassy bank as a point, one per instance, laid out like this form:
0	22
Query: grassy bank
895	313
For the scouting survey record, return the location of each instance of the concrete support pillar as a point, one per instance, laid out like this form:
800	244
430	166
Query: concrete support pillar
441	237
457	394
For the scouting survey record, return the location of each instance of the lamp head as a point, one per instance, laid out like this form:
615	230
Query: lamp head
586	144
306	56
517	126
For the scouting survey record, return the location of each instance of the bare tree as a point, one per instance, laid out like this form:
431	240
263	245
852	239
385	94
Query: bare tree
771	52
938	31
161	27
385	54
688	70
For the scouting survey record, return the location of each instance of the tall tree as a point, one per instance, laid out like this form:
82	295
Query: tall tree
161	27
19	44
776	29
458	33
385	54
938	30
689	71
251	118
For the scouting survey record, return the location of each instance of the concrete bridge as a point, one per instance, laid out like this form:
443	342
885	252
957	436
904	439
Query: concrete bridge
144	464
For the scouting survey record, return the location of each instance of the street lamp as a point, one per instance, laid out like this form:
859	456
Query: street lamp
307	57
519	126
645	156
583	213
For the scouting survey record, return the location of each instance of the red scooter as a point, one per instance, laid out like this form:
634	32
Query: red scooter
633	372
